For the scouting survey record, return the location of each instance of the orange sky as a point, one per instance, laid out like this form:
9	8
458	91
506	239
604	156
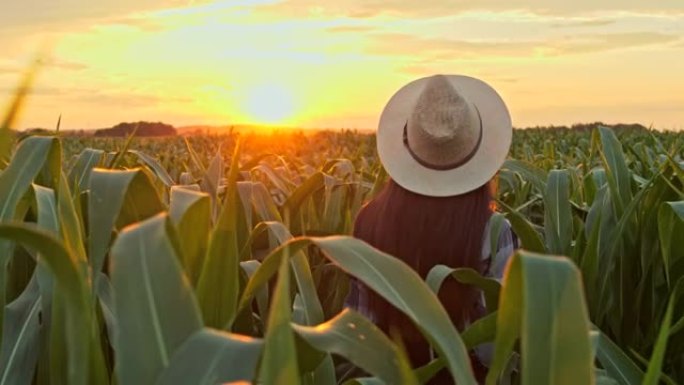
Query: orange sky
302	63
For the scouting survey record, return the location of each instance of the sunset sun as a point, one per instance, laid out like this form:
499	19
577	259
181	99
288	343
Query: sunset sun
269	104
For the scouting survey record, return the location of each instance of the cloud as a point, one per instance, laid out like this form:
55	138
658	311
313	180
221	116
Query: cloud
584	23
422	69
31	12
38	91
350	29
439	8
400	44
121	100
138	22
12	71
47	91
65	64
125	98
47	62
609	42
99	98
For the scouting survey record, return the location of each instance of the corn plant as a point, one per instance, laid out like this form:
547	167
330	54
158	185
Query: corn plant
217	259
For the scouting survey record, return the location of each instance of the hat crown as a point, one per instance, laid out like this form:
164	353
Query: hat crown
444	128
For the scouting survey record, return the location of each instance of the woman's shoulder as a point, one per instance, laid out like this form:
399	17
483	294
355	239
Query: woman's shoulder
499	228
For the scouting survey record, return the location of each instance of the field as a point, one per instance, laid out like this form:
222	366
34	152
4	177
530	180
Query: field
218	259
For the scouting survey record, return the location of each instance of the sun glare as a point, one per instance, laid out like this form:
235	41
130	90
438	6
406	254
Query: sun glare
269	104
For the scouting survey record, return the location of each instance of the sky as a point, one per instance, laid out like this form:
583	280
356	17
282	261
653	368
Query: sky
335	64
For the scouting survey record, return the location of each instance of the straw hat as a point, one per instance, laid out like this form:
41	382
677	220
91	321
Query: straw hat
444	135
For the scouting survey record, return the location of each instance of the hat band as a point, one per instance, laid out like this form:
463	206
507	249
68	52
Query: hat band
448	166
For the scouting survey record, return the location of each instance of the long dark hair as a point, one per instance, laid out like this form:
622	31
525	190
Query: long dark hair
425	231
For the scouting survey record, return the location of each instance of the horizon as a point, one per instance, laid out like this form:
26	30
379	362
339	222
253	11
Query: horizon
187	129
301	64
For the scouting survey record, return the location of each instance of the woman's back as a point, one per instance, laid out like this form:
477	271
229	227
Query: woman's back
423	232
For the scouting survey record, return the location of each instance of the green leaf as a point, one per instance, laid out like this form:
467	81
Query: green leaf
87	160
481	331
403	288
155	307
542	303
210	357
48	219
593	181
29	159
194	157
617	364
272	176
529	237
46	208
105	295
56	307
250	267
619	175
263	203
211	181
603	379
291	208
490	287
393	280
71	222
268	268
302	273
530	173
154	165
355	338
19	350
79	333
119	155
190	211
279	365
312	309
495	224
558	213
218	286
117	198
656	363
670	217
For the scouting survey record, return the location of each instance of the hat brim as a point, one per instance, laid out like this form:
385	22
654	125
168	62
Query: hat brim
411	175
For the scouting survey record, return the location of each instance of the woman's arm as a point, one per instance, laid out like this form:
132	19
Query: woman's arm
506	245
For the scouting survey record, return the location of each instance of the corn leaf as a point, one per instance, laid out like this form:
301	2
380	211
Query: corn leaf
211	357
155	307
542	304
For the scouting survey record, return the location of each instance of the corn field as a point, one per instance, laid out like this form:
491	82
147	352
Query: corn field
220	259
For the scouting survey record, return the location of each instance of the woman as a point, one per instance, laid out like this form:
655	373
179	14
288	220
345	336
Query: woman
441	139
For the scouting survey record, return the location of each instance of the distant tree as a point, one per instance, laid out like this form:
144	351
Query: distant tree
140	129
33	132
39	131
